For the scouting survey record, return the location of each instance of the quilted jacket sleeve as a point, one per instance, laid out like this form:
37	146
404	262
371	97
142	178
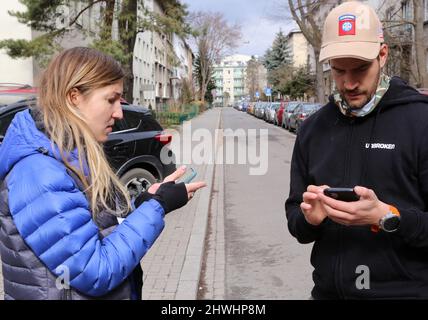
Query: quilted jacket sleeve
54	219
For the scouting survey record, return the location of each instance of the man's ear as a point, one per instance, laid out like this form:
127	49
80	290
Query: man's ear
75	96
383	55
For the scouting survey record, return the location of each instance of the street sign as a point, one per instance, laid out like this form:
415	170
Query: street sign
268	92
257	95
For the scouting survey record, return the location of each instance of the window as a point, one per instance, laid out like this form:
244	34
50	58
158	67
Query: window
426	10
129	122
406	8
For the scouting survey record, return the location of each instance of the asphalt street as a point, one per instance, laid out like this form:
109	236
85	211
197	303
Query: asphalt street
263	261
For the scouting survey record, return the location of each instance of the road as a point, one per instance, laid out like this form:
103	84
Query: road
263	261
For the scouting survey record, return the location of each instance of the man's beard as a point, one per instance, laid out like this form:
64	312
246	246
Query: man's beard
356	105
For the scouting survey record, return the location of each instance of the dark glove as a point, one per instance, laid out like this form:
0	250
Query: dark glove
170	195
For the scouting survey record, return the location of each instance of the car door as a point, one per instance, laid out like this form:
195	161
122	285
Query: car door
293	117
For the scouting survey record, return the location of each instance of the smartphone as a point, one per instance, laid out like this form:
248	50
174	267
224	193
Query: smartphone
188	176
342	194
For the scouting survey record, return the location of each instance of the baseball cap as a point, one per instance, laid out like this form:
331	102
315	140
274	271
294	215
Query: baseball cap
351	30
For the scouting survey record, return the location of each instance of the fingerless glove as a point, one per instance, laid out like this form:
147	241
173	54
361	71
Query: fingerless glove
170	195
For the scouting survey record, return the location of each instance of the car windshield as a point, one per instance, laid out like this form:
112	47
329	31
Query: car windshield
311	107
291	106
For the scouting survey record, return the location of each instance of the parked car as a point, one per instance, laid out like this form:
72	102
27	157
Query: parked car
13	92
260	111
301	113
133	148
271	112
289	108
250	109
279	113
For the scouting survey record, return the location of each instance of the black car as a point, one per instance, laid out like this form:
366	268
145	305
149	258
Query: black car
133	148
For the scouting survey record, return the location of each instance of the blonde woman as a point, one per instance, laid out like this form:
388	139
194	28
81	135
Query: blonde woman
59	198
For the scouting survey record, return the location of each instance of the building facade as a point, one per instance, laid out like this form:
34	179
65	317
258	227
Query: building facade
298	49
230	79
14	70
159	62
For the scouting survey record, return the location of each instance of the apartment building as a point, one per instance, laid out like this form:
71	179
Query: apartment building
160	61
27	71
230	79
298	49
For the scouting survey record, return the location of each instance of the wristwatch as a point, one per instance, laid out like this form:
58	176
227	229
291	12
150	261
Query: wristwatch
391	221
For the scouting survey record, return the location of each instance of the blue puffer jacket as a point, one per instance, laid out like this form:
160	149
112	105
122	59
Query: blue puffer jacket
46	225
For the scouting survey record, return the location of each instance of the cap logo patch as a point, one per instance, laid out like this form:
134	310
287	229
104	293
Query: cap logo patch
347	25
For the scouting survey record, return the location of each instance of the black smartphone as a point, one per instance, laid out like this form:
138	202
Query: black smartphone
342	194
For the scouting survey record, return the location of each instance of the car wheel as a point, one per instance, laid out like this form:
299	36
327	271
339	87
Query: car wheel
137	181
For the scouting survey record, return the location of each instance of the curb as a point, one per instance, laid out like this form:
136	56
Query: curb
188	284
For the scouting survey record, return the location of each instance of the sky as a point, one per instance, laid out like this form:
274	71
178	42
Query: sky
259	20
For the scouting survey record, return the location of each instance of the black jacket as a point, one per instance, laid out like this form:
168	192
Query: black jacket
386	151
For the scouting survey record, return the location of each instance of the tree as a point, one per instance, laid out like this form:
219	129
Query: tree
197	74
419	43
309	18
209	94
213	40
277	61
278	55
42	15
254	79
300	84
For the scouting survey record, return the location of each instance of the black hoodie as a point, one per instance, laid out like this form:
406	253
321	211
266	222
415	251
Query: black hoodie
386	151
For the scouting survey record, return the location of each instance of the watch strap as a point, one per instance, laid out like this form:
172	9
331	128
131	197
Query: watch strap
393	210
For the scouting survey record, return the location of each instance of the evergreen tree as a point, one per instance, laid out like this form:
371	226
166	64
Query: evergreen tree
277	62
278	55
197	75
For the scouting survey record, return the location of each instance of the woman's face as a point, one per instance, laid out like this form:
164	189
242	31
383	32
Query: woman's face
101	108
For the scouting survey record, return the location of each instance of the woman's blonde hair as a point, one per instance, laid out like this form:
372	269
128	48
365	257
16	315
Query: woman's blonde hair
84	69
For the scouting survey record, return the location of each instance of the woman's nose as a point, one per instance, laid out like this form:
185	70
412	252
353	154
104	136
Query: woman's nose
118	112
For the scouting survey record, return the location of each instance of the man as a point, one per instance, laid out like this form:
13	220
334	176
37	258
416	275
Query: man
372	136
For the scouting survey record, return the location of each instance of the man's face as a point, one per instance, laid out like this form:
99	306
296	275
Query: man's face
357	80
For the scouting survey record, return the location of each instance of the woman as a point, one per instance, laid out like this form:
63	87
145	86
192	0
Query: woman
59	198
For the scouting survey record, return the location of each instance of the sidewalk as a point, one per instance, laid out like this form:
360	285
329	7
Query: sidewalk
172	267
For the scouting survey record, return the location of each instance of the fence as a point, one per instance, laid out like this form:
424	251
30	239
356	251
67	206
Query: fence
167	118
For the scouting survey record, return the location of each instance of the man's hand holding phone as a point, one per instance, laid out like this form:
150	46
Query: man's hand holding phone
361	206
312	206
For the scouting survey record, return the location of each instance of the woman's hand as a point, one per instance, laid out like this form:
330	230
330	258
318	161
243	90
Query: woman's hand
190	187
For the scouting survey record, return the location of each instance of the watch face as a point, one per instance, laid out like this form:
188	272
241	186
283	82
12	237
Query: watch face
391	223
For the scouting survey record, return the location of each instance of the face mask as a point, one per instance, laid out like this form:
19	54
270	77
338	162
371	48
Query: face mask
382	88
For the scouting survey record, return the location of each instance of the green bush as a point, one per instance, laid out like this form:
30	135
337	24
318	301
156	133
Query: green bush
168	118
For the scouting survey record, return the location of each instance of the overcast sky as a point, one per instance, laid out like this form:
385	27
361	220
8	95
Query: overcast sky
255	16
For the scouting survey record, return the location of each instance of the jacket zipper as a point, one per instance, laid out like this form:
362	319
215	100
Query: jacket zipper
339	265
